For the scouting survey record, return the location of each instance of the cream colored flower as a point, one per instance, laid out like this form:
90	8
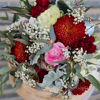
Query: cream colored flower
49	17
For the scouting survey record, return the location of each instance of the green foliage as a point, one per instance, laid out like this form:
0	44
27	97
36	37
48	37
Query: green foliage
78	70
46	48
3	82
89	56
54	94
52	33
33	59
18	9
21	31
3	33
87	9
93	80
3	43
38	88
50	78
61	62
97	57
97	40
22	41
63	6
5	18
80	1
15	17
68	70
7	55
40	41
58	84
94	33
17	85
5	70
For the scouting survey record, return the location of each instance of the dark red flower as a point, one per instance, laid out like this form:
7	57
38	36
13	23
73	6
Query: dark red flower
19	52
41	6
81	88
67	32
41	73
86	43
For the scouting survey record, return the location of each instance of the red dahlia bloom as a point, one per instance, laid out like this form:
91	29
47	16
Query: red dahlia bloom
41	73
41	6
19	52
86	43
67	32
81	88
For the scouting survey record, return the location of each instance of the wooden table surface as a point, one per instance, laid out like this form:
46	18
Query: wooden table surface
94	13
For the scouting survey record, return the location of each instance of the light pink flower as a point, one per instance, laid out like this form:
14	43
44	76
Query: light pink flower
55	54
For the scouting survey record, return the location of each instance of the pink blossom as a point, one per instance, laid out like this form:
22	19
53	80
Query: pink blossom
55	54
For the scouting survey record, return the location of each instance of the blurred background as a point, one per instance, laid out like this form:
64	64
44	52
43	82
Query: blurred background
94	12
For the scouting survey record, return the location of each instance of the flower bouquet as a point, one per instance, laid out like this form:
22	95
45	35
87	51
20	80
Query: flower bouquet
51	49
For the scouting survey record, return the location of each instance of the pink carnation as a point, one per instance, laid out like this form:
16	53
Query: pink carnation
55	54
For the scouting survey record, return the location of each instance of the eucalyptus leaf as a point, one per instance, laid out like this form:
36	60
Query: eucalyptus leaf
4	70
45	49
4	81
17	85
87	9
63	6
3	33
22	41
97	57
80	1
15	17
54	94
21	31
18	9
7	55
78	70
5	18
68	70
52	33
89	56
40	41
61	62
1	57
58	84
70	94
34	59
3	43
93	80
38	88
50	78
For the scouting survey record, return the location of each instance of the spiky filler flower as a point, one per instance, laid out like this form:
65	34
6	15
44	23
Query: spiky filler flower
67	32
19	52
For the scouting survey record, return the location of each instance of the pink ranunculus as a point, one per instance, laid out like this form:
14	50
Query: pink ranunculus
55	54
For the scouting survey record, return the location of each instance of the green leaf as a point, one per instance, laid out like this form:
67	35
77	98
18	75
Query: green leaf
40	41
18	9
78	70
46	48
1	57
94	33
38	88
17	85
52	33
15	17
50	78
2	43
3	33
22	41
63	6
61	62
97	40
89	56
97	57
5	18
80	1
7	55
93	80
4	81
87	9
10	37
68	70
4	70
54	94
21	31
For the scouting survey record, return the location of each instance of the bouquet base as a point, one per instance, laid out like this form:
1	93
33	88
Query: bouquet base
28	93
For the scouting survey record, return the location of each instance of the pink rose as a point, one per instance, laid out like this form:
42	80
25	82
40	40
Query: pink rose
55	54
